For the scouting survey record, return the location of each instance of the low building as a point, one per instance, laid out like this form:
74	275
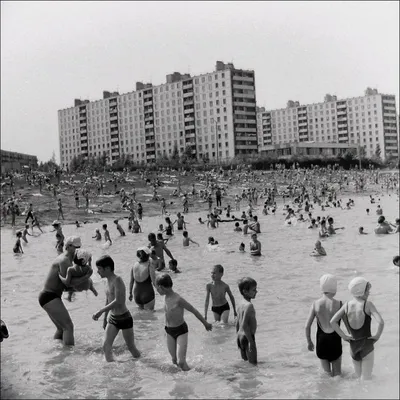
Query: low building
13	161
308	149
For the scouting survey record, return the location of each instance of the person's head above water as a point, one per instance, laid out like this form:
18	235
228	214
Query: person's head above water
381	219
359	286
328	283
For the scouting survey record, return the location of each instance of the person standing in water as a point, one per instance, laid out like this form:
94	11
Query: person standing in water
356	315
119	317
329	343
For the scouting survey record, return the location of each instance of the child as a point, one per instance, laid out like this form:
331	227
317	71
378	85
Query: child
329	343
106	234
396	261
245	226
218	290
323	232
25	232
169	230
255	246
59	236
367	211
200	221
241	247
97	235
187	239
331	229
18	246
173	266
83	263
361	231
160	238
237	227
356	315
119	227
119	317
211	241
140	211
318	250
175	325
163	207
35	222
161	228
246	323
136	228
155	261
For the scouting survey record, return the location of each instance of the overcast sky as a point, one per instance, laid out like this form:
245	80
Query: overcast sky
54	52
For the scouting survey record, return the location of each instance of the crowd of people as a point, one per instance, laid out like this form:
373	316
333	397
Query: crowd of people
296	193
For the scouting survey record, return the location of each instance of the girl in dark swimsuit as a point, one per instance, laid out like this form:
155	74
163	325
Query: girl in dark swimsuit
143	291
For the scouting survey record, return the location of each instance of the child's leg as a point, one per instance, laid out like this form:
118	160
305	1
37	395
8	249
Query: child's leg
337	367
171	344
181	344
357	368
367	365
326	366
225	316
217	317
109	337
130	342
252	354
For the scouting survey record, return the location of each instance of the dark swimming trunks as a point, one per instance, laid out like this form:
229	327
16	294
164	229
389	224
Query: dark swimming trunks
143	292
177	331
243	342
361	346
122	321
220	309
45	297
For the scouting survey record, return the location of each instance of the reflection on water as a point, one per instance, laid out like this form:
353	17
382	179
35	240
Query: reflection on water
33	365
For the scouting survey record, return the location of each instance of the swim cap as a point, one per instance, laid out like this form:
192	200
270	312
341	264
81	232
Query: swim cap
145	249
83	255
357	286
328	283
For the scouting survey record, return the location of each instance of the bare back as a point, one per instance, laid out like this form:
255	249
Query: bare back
325	309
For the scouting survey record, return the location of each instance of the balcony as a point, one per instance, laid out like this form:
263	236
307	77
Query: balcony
187	84
190	125
253	130
188	94
243	103
187	119
114	117
149	126
243	78
188	102
148	103
188	110
190	135
242	87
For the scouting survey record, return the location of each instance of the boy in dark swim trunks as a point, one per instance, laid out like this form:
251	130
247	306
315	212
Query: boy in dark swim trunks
119	317
18	246
175	326
246	323
218	290
329	343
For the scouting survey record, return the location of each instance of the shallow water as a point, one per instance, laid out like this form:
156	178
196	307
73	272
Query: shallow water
33	365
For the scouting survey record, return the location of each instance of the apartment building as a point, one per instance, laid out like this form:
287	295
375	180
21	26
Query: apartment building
368	121
13	161
213	113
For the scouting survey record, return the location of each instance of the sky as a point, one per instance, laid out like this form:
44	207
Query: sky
53	52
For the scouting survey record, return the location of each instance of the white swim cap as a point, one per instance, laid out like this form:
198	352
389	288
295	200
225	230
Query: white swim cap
328	283
357	286
83	255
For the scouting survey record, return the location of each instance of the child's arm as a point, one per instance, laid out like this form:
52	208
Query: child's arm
20	246
249	314
131	285
207	302
190	240
67	280
379	319
334	323
187	306
119	299
309	322
228	290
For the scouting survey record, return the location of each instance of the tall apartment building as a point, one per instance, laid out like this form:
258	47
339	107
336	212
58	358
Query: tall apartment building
368	121
148	123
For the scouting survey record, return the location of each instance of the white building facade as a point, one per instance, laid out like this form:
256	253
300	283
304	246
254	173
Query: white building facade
147	124
368	121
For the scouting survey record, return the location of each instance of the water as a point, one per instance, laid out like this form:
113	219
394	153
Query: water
33	365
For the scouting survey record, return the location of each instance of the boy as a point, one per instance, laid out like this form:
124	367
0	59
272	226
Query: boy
119	227
18	246
218	290
246	323
361	231
329	343
255	246
25	232
237	227
106	234
356	315
119	316
318	250
241	247
245	227
200	221
175	325
255	226
173	266
186	239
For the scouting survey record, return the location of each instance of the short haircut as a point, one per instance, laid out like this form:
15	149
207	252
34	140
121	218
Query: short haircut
381	219
184	233
246	284
220	268
151	236
396	260
104	226
105	262
164	280
142	255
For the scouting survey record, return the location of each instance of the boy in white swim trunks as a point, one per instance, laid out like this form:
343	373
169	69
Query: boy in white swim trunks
329	343
218	290
356	315
175	325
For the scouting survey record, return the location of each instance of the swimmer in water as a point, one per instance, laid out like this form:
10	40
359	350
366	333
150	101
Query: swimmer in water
173	266
97	235
329	343
175	325
25	232
218	290
119	227
201	221
356	315
237	227
187	239
318	250
18	246
361	231
396	261
241	247
106	234
255	246
246	322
